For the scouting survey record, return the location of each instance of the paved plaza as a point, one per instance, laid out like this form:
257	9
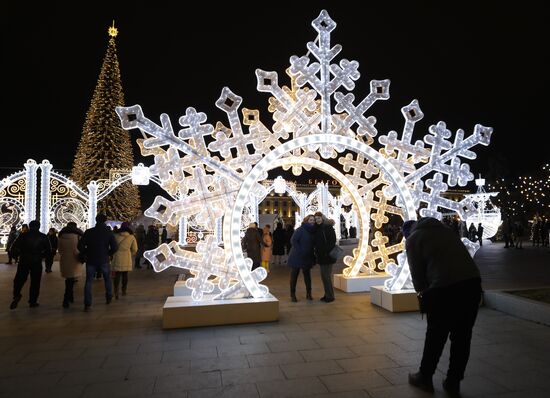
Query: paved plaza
348	348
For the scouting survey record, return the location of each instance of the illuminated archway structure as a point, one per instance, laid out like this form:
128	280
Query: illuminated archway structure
217	170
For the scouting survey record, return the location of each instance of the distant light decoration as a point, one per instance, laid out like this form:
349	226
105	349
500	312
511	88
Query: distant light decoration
140	175
279	185
216	171
486	212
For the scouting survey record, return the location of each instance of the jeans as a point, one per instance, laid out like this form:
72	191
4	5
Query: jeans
91	270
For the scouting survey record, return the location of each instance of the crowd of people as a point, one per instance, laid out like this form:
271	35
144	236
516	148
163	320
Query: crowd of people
309	245
98	253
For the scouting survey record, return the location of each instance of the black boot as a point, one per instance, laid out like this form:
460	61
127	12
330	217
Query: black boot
452	387
422	382
308	295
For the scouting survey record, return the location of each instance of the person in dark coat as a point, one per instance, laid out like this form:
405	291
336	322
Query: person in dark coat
278	244
151	241
301	256
31	247
11	238
98	244
252	244
289	231
480	234
52	237
325	240
140	240
449	286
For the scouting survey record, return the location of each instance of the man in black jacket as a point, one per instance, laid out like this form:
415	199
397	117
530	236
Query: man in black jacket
31	247
98	245
448	281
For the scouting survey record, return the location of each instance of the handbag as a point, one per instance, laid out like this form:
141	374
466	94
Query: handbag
336	253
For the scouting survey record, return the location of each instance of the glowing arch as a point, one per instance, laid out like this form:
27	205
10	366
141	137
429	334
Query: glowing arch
232	219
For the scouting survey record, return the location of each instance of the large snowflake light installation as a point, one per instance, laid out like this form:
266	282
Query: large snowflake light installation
215	171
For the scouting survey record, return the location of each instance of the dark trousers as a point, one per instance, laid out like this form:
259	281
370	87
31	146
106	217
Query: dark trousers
48	260
326	277
68	297
453	314
118	276
294	272
23	271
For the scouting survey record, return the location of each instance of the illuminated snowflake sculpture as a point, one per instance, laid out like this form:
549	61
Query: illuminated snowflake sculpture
216	170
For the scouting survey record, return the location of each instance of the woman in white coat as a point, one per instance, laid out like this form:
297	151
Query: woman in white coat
70	261
122	259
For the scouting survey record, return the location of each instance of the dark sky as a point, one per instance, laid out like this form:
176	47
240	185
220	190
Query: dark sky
481	62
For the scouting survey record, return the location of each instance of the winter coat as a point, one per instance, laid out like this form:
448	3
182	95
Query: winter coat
301	253
267	243
325	240
437	257
127	247
67	245
251	243
98	244
31	247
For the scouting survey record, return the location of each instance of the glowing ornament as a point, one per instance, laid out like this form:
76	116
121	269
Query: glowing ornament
486	213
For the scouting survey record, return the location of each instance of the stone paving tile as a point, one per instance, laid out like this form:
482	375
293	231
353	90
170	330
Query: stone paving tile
158	369
214	341
54	392
343	394
373	349
278	358
309	369
398	375
243	349
86	377
111	350
354	381
181	355
233	391
366	363
52	355
164	346
528	393
22	384
293	345
514	381
187	382
72	365
327	353
263	338
125	388
291	388
251	375
218	363
404	391
312	334
113	361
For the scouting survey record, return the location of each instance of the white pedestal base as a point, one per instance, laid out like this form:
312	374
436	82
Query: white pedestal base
395	301
358	283
183	312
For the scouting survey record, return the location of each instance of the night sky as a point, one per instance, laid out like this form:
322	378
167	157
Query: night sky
466	63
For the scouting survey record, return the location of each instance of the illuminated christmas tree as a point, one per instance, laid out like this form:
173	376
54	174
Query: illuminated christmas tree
104	145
